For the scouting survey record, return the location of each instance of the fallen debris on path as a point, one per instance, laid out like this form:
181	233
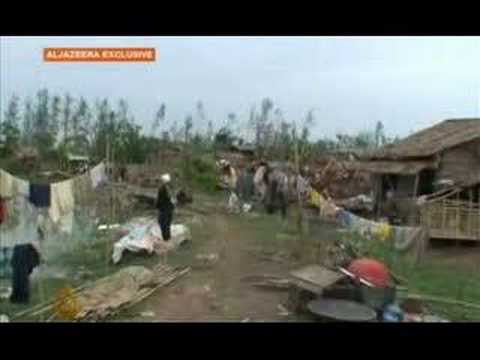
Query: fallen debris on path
315	278
94	301
268	282
144	234
206	260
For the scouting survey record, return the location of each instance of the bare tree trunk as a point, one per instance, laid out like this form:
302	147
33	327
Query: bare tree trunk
299	200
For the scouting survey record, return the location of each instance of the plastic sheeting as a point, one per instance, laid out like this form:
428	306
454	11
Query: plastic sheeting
145	235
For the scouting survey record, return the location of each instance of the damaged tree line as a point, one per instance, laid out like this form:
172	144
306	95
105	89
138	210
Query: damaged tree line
54	125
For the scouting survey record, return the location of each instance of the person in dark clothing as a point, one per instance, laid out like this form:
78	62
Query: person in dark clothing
25	259
165	207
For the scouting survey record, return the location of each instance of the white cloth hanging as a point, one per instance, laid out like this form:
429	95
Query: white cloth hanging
98	175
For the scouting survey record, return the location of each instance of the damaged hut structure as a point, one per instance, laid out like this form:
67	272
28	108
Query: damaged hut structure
431	179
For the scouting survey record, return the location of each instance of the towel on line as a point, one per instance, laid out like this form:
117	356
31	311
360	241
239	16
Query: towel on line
61	199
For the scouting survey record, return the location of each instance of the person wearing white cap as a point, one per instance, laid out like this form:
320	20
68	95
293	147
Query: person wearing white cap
165	207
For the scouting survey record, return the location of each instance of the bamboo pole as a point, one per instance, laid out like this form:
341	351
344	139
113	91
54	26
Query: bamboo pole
469	218
441	300
415	189
297	171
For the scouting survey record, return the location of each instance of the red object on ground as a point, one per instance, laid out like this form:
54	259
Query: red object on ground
371	270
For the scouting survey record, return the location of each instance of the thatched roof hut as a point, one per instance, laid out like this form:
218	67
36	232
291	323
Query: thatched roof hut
420	164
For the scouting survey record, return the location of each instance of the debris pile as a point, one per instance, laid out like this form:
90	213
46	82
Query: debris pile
95	301
144	234
338	179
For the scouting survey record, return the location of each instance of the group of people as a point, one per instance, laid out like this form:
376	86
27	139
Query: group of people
259	182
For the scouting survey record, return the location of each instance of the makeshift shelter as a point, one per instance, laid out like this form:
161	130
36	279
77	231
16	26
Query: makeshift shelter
437	163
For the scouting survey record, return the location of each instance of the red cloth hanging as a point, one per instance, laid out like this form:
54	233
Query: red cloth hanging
3	211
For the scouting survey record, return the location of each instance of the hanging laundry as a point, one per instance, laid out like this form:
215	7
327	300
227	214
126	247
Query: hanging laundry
344	218
382	231
3	210
6	184
6	254
21	224
25	259
303	187
65	223
316	199
82	190
404	237
61	199
21	187
39	195
98	175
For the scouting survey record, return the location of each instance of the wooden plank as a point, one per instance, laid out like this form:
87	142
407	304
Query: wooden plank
450	235
316	277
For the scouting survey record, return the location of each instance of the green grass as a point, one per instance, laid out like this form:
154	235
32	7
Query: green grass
431	278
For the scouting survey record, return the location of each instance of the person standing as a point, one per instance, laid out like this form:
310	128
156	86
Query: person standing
165	206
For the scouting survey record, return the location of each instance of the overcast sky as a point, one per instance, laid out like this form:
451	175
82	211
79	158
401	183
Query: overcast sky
351	82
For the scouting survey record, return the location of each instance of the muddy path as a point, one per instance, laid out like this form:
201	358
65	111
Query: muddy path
246	245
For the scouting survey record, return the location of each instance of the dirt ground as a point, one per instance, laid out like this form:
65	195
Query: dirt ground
246	246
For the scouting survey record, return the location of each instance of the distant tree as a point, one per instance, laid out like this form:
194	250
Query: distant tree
28	115
305	148
10	126
364	140
380	139
42	136
67	114
81	129
165	137
159	119
231	120
261	125
210	131
101	128
224	137
55	112
188	128
201	115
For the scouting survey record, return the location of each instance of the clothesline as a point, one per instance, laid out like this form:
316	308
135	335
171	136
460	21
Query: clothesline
403	236
26	181
35	203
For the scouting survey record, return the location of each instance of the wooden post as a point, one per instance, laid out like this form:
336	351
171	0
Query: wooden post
297	171
379	194
457	216
470	230
415	189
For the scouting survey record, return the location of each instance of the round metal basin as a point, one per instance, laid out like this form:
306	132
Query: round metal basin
341	310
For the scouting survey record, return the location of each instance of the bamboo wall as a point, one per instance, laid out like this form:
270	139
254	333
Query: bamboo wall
452	219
